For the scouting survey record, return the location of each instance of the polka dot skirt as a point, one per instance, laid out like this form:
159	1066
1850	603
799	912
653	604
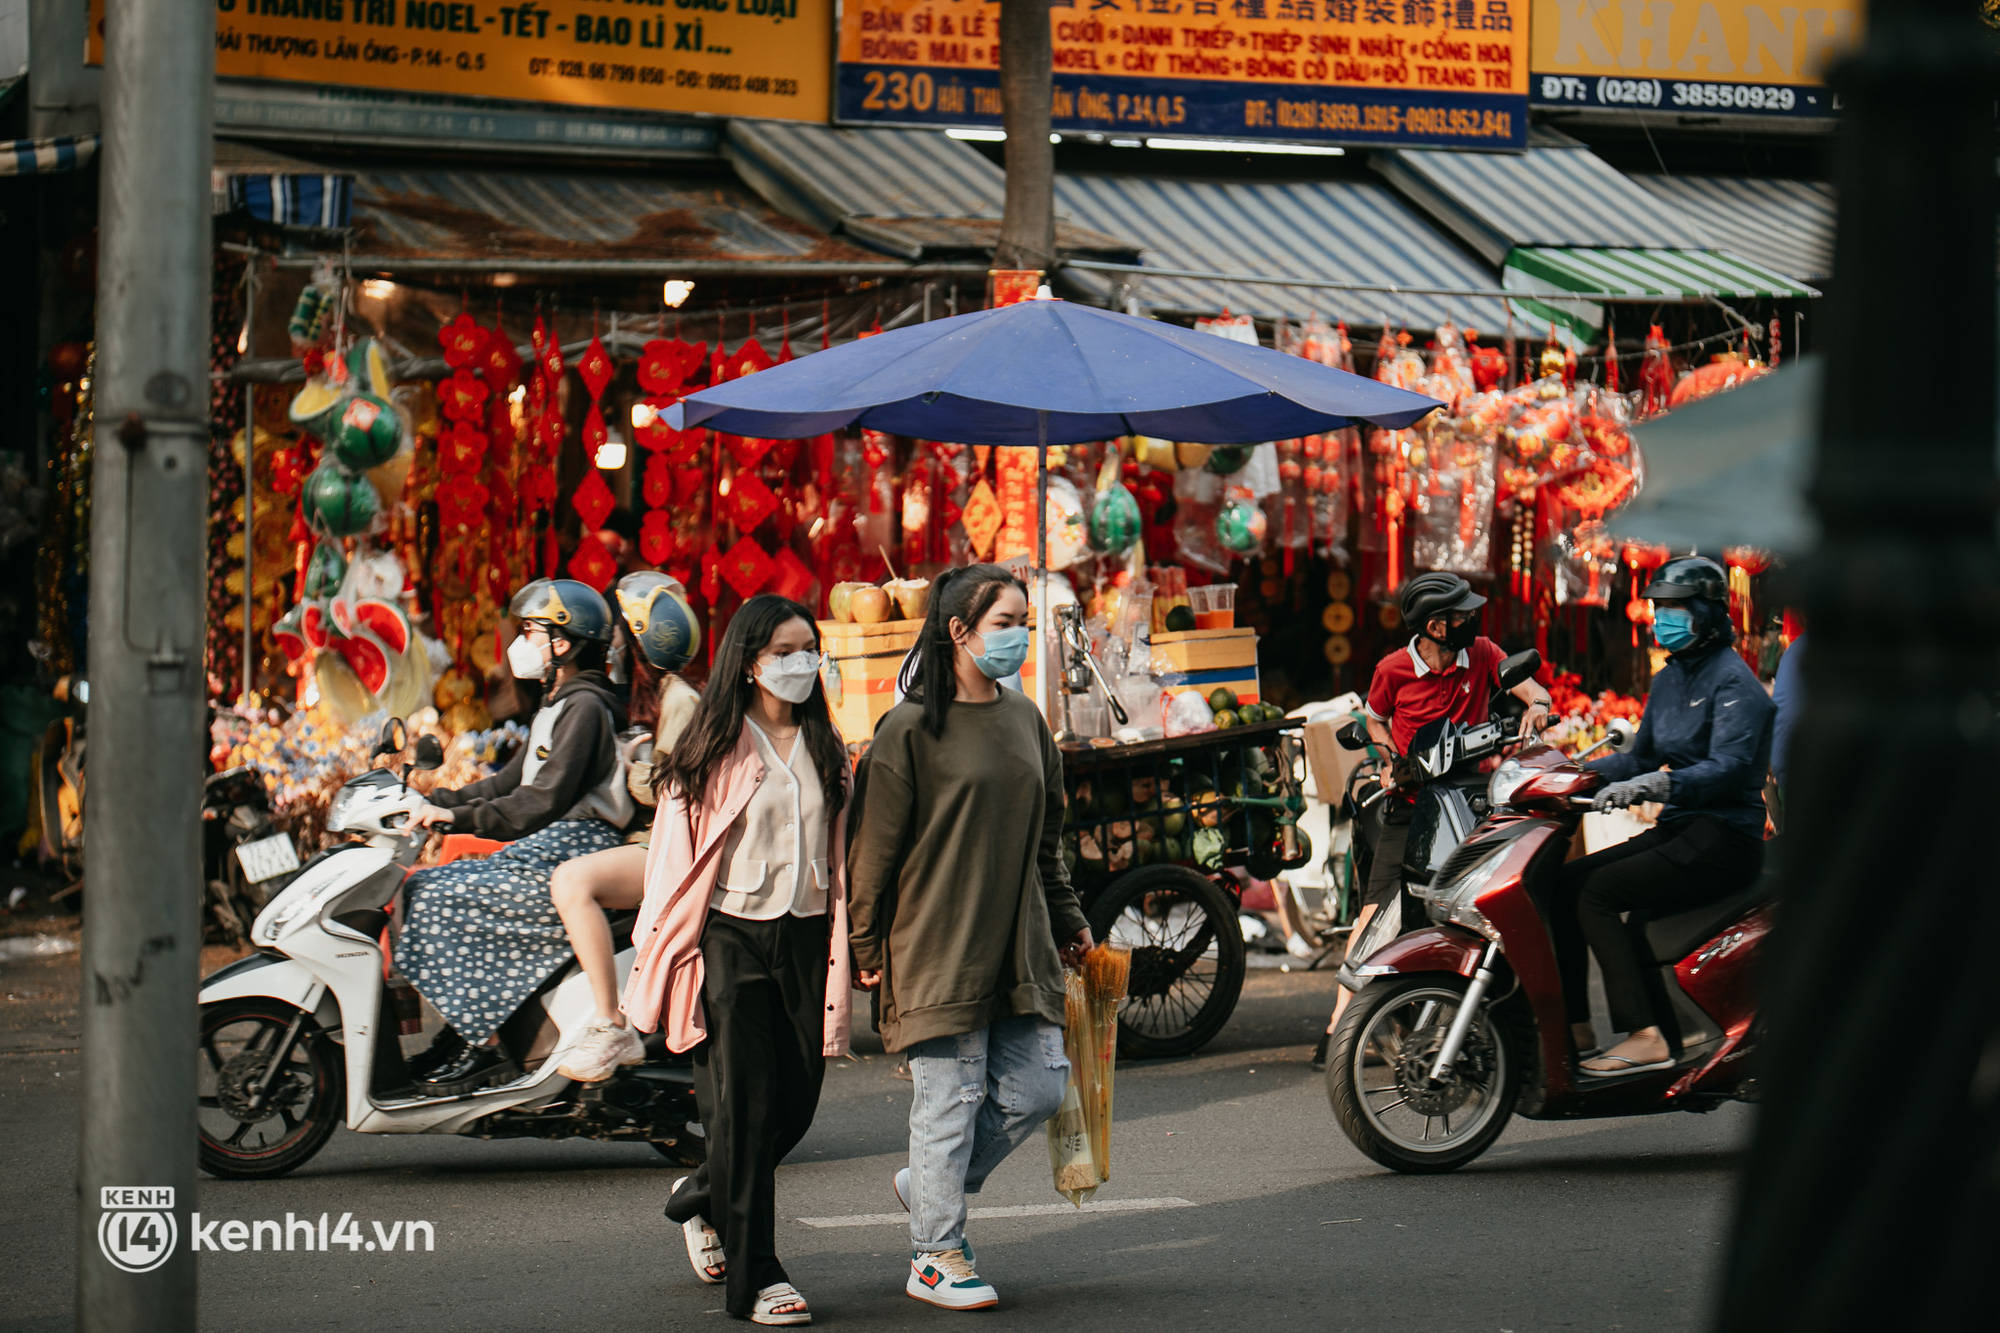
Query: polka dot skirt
481	935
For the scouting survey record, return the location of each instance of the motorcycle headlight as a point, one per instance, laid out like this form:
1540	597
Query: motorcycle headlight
1506	780
1454	901
277	914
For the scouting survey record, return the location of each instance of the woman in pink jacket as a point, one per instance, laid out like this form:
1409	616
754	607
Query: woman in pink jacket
742	938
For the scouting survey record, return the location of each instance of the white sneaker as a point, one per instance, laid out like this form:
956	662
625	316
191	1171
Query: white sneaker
902	1187
603	1049
1297	947
949	1280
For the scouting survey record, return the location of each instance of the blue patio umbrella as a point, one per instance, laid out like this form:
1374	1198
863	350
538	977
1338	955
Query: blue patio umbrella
1045	372
1050	372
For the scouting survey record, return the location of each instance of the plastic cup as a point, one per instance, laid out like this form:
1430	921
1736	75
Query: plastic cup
1217	609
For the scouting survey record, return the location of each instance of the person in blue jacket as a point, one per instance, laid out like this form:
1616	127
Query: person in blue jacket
1702	750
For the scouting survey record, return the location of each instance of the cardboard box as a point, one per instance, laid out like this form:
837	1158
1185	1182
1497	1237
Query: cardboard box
869	657
1330	765
1199	650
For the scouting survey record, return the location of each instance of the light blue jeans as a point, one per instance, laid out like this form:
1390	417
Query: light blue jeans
978	1096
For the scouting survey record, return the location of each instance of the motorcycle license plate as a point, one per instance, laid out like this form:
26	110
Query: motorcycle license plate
267	858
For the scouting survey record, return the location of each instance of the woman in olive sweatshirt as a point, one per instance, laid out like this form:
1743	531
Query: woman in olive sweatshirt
962	913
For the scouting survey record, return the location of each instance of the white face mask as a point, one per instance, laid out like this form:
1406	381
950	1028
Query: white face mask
527	660
791	677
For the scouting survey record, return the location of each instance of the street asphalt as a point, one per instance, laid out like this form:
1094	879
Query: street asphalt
1251	1211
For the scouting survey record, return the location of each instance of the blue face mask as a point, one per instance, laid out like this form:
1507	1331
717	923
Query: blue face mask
1673	627
1006	650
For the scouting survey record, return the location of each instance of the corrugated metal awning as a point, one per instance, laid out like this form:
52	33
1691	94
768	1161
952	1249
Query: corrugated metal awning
455	219
1666	273
1546	196
1343	231
1786	225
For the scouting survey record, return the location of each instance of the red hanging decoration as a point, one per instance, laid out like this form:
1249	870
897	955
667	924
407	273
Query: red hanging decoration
592	563
594	431
791	577
748	451
656	536
657	483
461	448
650	429
462	341
746	502
595	368
593	501
747	568
462	396
461	501
538	488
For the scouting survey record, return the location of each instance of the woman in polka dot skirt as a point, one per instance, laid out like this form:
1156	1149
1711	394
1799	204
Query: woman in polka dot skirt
482	935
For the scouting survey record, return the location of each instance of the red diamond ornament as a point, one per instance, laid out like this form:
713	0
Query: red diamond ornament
747	568
793	578
749	501
657	482
538	487
592	563
656	536
593	501
595	368
594	432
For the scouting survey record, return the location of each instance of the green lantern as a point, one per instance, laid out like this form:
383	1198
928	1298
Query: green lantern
1225	459
338	503
366	433
1114	520
1240	526
327	569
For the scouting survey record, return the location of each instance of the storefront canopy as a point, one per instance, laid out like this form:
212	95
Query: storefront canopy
1668	274
912	193
1782	225
470	221
43	157
1342	231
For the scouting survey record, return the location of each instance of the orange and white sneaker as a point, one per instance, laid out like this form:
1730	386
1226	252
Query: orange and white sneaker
948	1280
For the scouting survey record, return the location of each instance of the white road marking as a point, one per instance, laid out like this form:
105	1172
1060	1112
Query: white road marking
1017	1210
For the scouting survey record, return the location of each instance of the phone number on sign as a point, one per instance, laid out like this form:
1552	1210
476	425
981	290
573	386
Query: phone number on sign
611	71
1658	92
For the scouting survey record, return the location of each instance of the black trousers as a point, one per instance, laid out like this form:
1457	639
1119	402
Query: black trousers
1690	862
756	1083
1391	829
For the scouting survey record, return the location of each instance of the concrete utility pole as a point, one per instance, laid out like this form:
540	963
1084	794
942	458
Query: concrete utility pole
1872	1184
142	839
1028	230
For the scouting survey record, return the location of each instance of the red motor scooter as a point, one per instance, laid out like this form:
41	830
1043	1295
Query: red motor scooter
1457	1025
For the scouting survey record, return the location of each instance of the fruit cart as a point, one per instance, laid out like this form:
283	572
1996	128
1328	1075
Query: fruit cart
1149	834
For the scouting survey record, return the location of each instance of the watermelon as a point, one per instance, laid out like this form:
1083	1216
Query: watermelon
1114	521
1225	459
366	433
338	503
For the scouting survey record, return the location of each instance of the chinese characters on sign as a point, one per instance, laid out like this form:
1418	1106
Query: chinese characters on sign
1701	57
724	57
1447	73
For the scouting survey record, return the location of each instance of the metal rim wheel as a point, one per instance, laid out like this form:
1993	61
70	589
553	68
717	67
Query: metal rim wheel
245	1138
1378	1077
1187	958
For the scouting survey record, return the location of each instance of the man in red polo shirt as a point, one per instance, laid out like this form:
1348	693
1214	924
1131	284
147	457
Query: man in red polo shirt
1447	670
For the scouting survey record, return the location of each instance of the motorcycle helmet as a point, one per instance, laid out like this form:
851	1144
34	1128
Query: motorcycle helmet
1434	596
1703	586
656	610
573	610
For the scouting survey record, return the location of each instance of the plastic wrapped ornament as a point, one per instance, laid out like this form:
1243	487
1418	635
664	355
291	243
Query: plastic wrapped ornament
1114	520
1068	541
367	433
327	569
339	504
1226	459
1240	523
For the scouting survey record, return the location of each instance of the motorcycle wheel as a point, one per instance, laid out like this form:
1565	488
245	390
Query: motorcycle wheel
1187	958
304	1104
1377	1076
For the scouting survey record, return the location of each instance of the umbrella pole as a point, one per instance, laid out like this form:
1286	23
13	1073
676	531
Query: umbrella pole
1042	563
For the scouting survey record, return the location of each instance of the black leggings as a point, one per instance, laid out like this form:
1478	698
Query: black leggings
1690	862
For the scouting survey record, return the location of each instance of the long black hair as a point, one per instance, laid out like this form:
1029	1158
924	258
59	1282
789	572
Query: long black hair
929	675
718	719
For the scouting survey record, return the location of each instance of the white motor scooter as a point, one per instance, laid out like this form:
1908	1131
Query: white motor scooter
305	1032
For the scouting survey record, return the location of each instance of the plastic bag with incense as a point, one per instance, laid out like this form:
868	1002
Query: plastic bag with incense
1090	1038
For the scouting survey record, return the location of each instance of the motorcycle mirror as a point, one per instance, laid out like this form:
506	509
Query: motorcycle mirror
430	753
1352	735
1519	667
393	738
1623	734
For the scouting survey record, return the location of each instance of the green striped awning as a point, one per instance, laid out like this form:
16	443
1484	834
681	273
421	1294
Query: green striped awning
1638	275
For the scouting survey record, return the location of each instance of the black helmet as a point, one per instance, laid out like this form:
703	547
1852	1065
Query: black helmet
574	610
656	610
1428	597
1690	576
